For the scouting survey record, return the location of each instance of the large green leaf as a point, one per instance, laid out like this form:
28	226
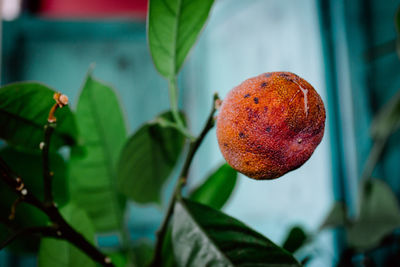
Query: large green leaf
59	253
173	28
24	108
203	236
93	166
218	187
28	165
214	192
147	160
379	216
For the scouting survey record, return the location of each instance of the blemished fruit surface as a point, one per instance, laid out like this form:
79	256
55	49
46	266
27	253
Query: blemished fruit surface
270	125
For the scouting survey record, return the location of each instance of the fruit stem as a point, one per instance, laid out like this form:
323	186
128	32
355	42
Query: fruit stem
194	145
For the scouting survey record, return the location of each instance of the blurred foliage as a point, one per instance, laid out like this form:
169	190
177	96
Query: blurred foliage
379	216
29	166
147	160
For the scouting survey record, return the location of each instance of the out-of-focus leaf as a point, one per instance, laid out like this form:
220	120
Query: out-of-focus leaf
295	239
93	173
28	165
379	216
147	160
218	187
24	108
173	28
336	216
203	236
167	253
59	253
143	253
388	119
119	259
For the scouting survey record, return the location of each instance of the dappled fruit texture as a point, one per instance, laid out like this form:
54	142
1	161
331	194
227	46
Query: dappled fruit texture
270	124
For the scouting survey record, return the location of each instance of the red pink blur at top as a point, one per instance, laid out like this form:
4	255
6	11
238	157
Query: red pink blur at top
94	9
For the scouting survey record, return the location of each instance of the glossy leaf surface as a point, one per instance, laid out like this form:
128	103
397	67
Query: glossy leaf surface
217	188
24	108
173	28
203	236
93	172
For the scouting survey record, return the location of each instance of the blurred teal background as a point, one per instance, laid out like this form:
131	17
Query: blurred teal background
345	49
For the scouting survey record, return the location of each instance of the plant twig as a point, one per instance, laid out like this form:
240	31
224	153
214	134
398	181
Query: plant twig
61	226
61	101
62	229
42	230
166	123
194	145
47	174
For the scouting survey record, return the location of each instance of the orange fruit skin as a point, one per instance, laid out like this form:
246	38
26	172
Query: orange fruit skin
270	125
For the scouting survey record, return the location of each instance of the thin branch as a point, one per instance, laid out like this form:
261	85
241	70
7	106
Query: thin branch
194	145
47	174
43	231
61	227
18	186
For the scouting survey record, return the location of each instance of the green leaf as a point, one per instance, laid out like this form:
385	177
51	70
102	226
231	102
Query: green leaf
143	252
28	165
295	239
379	216
167	253
387	120
173	27
148	159
203	236
93	173
24	108
336	216
59	253
215	191
119	259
